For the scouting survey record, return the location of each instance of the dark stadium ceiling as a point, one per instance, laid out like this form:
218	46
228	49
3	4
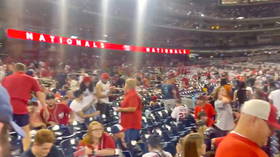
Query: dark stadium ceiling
199	25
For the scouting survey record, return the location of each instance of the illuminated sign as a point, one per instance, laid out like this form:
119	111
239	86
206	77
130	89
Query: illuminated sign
247	2
25	35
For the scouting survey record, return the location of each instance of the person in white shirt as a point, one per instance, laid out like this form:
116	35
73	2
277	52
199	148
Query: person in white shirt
2	73
274	98
81	108
155	148
180	112
102	91
224	117
103	88
87	89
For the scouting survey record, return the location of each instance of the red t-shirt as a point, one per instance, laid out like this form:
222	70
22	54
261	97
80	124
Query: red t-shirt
59	114
131	120
217	141
107	141
234	145
209	111
20	86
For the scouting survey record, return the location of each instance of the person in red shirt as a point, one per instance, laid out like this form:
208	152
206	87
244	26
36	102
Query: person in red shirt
204	106
96	142
185	82
216	141
131	112
20	87
59	114
257	122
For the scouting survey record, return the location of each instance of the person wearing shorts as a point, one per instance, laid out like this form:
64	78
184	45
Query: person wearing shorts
20	87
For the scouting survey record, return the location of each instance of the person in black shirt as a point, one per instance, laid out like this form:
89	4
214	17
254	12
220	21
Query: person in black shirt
60	77
43	145
119	82
240	95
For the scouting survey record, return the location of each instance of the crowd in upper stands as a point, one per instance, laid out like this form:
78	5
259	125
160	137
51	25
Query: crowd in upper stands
204	110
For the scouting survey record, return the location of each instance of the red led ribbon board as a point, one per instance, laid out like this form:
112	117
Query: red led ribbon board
25	35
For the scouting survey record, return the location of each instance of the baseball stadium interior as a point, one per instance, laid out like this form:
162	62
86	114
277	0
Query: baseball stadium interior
139	78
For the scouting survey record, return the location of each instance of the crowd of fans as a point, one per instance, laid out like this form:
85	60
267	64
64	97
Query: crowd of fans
233	108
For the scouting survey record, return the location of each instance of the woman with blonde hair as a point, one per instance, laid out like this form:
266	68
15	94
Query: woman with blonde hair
193	146
97	142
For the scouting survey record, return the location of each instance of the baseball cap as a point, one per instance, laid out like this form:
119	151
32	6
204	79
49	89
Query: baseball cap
87	79
116	128
6	111
154	98
263	110
105	76
30	72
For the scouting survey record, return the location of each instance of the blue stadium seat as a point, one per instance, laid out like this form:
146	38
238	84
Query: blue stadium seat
68	146
16	144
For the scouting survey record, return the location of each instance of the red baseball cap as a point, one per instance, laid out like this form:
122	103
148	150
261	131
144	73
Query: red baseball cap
154	98
87	79
105	76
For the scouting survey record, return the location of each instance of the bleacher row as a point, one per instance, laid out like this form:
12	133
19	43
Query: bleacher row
156	119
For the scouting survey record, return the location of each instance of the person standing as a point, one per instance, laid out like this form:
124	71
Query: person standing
274	98
20	87
87	89
240	95
224	118
102	93
6	117
131	111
